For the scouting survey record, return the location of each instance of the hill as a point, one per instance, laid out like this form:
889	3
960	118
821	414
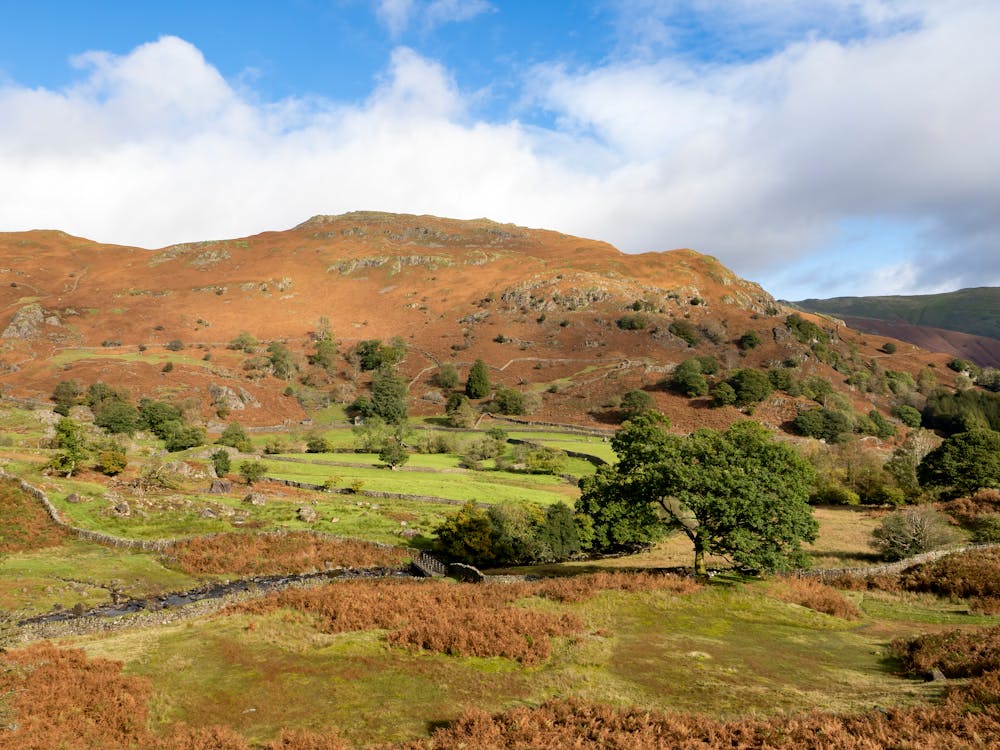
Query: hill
927	320
573	320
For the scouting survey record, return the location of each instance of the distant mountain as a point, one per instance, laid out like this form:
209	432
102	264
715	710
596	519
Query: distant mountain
927	320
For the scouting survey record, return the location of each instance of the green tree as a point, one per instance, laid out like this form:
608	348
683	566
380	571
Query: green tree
447	376
221	462
963	463
723	395
561	532
635	402
478	384
368	354
688	378
907	415
507	401
183	436
750	386
118	418
235	437
71	442
111	461
393	454
156	415
466	535
823	424
389	396
736	493
252	471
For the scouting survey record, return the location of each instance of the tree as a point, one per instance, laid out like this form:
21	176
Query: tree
736	493
963	463
317	443
252	471
282	363
66	394
688	378
911	532
325	353
635	402
478	384
235	437
393	454
823	424
118	418
508	401
72	445
183	436
749	340
561	532
750	386
221	462
459	411
111	461
389	396
466	534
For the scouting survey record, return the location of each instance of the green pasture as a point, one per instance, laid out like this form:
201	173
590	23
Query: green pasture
727	651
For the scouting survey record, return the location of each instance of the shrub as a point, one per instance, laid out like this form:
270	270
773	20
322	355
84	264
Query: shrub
816	596
912	531
243	342
823	424
393	454
635	322
688	378
508	401
118	418
957	653
167	367
235	437
183	436
317	444
252	471
750	386
749	340
447	376
685	331
834	494
111	461
174	345
907	415
889	348
723	395
805	331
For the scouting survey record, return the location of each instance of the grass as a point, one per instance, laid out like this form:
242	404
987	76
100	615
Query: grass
711	652
57	577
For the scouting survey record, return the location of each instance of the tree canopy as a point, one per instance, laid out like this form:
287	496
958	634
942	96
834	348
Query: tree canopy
965	462
736	493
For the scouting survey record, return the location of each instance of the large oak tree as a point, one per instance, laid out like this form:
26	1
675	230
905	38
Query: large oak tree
736	493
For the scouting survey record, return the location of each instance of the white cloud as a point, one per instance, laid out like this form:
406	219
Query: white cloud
756	162
398	15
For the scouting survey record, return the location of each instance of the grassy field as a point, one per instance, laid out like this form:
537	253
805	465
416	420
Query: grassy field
709	652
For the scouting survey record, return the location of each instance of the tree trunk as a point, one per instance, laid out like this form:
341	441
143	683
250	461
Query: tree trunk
699	559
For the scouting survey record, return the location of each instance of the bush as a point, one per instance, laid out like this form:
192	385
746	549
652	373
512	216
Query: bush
816	596
723	395
235	437
118	418
635	322
685	331
749	340
252	471
167	367
111	461
508	401
175	345
184	436
750	386
911	532
688	378
889	348
823	424
317	444
447	376
834	494
907	415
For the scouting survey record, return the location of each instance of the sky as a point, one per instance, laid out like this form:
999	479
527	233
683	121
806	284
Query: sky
820	148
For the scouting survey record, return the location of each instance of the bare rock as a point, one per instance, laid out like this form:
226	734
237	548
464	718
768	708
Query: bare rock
25	324
208	513
255	498
220	486
307	514
223	395
122	509
73	498
467	573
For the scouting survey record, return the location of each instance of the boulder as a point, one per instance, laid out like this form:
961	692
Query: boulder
209	513
122	509
307	514
255	498
25	323
73	498
220	486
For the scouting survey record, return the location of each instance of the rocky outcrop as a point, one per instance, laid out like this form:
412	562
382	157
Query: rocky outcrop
25	324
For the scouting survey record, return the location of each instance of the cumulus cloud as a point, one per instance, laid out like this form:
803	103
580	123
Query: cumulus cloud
757	161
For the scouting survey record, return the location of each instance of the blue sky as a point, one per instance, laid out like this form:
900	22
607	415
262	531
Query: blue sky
821	148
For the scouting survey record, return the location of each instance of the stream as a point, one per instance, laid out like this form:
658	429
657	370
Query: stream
261	584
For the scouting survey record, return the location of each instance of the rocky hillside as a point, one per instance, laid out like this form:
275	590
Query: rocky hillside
573	320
